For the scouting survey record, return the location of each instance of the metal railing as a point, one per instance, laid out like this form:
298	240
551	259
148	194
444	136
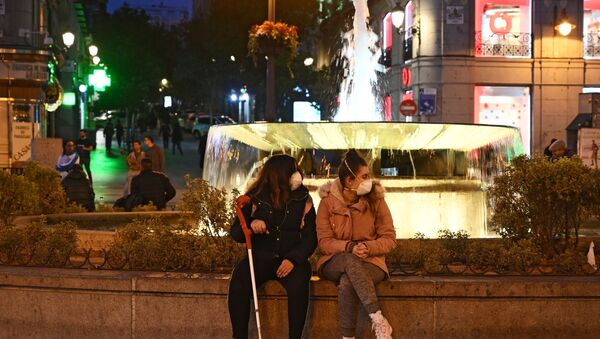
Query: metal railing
591	45
114	259
503	45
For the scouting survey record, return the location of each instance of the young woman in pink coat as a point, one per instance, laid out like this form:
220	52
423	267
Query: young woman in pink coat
355	231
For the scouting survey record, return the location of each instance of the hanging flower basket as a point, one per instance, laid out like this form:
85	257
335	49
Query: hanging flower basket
272	39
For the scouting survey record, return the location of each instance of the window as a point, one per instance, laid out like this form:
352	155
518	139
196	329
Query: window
506	106
408	34
503	28
591	29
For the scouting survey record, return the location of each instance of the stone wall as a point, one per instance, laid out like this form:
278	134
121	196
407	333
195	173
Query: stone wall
63	303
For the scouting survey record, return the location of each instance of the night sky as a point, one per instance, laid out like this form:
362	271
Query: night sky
115	4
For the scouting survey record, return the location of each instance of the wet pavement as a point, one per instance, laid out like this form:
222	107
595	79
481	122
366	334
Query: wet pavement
109	170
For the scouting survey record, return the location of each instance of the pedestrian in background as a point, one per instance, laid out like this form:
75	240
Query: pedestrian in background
177	137
282	219
109	131
165	132
559	150
150	186
68	158
78	189
547	151
84	148
355	232
134	165
119	132
155	153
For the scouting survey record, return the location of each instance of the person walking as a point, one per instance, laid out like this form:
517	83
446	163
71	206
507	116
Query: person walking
165	131
109	131
282	220
68	158
119	132
152	187
78	189
134	165
84	148
177	137
155	153
355	231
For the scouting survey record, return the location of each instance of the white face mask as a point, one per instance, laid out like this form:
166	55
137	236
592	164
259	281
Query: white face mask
295	181
364	187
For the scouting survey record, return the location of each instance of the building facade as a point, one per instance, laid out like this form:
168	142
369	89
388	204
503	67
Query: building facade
499	62
23	76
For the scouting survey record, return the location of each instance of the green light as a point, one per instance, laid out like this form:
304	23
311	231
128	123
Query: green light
99	79
69	99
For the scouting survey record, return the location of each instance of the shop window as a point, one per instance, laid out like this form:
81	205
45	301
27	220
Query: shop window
591	29
505	106
387	38
503	28
408	31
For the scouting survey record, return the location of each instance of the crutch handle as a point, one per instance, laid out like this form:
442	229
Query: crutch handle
240	202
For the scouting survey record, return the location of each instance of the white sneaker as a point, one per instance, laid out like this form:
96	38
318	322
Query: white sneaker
381	327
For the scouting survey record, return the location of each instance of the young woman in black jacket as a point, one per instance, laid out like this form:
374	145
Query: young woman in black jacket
282	220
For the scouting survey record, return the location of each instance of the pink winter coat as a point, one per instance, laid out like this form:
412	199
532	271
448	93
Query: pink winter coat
339	223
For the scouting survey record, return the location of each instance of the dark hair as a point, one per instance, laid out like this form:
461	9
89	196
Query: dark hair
149	138
136	141
351	162
82	130
274	179
65	145
146	163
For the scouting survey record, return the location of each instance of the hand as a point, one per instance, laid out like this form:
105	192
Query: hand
361	250
259	227
285	268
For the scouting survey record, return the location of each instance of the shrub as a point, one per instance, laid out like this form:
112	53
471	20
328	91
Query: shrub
15	197
49	193
200	241
543	201
38	245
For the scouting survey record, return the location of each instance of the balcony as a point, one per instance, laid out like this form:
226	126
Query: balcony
503	45
591	46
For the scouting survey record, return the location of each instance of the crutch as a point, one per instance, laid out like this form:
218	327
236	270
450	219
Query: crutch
239	203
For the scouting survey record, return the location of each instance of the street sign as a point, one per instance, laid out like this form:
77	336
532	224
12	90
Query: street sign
408	107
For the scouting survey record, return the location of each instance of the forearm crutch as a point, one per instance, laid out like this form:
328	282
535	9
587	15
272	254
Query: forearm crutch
239	204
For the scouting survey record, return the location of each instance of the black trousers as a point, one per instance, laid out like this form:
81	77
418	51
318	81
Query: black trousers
296	284
85	163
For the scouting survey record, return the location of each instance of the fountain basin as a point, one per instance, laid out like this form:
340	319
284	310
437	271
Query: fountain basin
436	175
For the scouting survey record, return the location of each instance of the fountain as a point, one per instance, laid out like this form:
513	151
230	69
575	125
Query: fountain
436	175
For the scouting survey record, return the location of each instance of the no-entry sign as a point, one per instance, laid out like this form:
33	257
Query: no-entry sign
408	107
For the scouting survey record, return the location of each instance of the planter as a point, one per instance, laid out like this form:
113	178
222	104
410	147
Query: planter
270	47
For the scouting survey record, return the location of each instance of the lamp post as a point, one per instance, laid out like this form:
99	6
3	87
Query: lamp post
270	114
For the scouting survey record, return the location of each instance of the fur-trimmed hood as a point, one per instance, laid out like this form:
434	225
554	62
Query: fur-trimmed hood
334	187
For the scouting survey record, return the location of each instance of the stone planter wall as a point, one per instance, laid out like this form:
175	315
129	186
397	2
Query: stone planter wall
69	303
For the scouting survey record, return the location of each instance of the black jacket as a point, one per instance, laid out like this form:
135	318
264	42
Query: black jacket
288	240
152	186
78	189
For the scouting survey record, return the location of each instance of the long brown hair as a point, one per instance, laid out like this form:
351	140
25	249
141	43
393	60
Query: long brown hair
274	179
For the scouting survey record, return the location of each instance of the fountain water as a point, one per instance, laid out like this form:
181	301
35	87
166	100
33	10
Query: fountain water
358	101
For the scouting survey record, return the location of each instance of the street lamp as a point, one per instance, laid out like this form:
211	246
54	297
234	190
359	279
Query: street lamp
93	49
308	61
96	60
398	17
564	26
164	82
68	39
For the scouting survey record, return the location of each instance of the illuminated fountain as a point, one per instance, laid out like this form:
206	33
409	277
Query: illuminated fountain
436	175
